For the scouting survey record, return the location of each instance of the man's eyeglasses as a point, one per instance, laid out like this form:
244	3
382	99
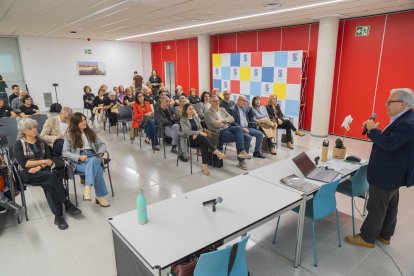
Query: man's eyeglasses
388	102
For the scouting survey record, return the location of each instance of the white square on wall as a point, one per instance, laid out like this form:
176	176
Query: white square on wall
268	59
225	60
216	73
256	74
235	73
295	59
280	74
267	88
245	59
293	92
245	87
225	85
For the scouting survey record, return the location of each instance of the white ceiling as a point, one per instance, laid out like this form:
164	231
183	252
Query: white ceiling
113	19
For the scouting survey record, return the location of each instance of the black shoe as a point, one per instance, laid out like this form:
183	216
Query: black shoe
182	158
72	210
60	222
174	149
259	155
156	148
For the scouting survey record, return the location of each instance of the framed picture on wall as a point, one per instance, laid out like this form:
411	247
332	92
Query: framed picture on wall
91	68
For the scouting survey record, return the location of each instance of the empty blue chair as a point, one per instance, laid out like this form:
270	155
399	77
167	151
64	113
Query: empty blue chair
357	186
217	262
320	206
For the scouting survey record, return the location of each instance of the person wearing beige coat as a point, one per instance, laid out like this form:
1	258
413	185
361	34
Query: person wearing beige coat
55	127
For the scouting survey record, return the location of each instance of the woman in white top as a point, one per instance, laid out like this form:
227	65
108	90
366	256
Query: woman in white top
84	150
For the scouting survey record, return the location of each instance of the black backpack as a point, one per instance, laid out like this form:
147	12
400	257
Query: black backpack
55	108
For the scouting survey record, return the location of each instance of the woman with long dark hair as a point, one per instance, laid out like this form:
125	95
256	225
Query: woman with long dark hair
191	127
84	150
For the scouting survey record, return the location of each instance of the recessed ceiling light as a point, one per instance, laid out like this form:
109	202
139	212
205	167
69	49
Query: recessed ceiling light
308	6
73	32
272	5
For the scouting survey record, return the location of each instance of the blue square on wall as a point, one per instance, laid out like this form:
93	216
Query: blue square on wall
281	59
255	88
235	60
217	84
292	108
267	74
225	73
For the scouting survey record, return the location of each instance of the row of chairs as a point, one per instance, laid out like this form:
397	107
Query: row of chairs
324	203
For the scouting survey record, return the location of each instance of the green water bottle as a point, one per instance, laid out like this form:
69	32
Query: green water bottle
142	207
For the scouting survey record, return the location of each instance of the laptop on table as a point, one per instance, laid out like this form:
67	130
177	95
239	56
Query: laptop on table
309	170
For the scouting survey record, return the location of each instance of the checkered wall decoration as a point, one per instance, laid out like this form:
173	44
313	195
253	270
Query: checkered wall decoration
262	74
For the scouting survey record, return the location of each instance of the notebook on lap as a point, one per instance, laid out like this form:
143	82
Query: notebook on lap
310	171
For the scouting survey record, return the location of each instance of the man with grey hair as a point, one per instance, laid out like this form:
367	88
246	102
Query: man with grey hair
18	102
391	165
55	127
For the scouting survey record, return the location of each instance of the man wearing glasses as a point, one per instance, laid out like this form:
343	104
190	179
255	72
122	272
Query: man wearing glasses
391	165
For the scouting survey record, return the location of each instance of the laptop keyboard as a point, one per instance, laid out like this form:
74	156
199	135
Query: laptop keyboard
327	175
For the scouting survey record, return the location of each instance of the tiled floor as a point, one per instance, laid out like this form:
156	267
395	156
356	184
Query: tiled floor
37	247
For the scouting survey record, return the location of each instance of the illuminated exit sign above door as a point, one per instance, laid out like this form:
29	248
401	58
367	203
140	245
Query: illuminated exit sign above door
362	31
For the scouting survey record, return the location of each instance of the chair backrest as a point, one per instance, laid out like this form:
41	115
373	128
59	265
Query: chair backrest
359	181
40	119
8	126
324	202
240	265
124	113
213	263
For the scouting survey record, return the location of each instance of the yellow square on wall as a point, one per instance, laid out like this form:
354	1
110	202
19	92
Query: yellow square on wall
279	89
244	73
217	60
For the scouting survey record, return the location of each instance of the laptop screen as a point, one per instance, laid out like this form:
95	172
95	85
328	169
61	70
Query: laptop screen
304	164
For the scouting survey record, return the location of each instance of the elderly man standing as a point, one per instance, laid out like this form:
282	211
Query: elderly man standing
18	102
243	116
219	120
391	165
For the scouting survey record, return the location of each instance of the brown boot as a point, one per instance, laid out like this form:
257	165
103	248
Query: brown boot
358	241
384	241
102	201
299	133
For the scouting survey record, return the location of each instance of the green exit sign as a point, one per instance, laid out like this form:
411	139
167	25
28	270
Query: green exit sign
362	31
88	51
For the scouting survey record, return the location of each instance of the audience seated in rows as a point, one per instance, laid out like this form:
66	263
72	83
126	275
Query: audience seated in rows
111	108
220	121
243	117
275	113
55	127
129	97
216	92
143	118
227	103
263	121
178	93
193	98
28	108
191	128
88	97
147	97
5	110
34	159
181	102
85	150
166	117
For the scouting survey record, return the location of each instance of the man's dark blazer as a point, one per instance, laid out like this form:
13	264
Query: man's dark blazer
162	119
249	116
391	164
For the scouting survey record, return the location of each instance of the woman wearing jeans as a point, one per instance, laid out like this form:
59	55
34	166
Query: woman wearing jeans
84	150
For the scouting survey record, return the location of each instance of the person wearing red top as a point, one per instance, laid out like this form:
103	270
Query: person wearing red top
143	118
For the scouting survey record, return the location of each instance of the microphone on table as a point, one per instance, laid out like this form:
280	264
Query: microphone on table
213	202
373	117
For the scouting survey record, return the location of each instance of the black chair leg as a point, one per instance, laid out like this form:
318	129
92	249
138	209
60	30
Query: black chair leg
190	160
110	180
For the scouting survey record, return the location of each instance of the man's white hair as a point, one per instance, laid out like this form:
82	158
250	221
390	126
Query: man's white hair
405	95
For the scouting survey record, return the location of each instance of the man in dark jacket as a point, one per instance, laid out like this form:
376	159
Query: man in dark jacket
227	103
243	117
166	116
391	165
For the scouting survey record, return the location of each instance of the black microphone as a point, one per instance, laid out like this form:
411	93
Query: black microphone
373	116
213	201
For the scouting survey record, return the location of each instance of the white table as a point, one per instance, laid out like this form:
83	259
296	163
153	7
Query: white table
180	226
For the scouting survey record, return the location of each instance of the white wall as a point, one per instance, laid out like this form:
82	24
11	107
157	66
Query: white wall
54	60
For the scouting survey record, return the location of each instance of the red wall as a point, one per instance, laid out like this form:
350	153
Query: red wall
366	68
184	54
